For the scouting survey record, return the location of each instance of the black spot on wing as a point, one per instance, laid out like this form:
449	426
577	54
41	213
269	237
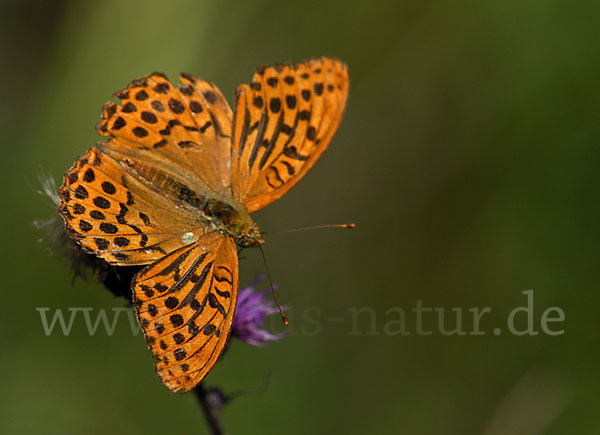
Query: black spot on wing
200	280
272	143
213	302
223	293
174	265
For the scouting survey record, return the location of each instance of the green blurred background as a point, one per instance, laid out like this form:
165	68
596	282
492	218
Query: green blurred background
468	158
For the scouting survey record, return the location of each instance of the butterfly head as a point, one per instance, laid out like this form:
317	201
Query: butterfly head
250	236
242	228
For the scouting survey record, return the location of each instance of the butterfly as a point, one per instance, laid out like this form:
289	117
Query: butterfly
173	187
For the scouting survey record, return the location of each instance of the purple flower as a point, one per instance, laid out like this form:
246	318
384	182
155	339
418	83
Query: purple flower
252	309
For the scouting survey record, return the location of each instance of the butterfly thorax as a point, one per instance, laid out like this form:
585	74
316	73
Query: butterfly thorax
233	221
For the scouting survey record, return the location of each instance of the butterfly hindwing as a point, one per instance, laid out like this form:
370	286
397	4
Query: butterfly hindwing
185	303
283	121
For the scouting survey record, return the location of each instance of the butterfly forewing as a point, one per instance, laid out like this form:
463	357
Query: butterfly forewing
283	121
183	130
185	304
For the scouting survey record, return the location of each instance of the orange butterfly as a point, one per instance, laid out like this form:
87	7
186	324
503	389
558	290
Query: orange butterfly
174	186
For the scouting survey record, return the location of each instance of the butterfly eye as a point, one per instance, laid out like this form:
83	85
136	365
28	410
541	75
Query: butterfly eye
246	241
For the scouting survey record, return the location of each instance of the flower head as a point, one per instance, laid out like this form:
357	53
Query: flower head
252	309
117	279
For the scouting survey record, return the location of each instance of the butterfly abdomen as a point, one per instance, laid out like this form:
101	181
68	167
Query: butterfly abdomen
166	184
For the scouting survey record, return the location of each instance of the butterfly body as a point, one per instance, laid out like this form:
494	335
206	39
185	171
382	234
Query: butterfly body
218	214
174	186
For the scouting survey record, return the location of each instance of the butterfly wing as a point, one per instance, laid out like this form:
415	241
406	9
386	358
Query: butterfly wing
283	121
185	303
185	131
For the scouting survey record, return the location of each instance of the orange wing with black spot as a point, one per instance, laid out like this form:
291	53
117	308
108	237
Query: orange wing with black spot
283	122
185	303
184	131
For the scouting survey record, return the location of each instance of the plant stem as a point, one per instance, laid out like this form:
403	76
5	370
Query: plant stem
212	401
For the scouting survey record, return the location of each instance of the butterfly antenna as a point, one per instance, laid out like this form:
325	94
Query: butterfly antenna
283	317
315	227
254	391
